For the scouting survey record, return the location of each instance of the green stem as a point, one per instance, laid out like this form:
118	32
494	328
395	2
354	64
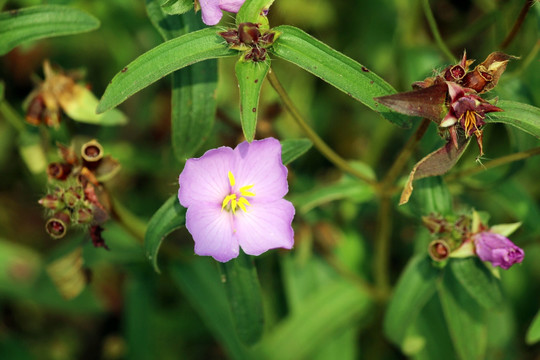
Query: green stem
129	221
435	31
325	150
11	116
517	25
494	163
404	156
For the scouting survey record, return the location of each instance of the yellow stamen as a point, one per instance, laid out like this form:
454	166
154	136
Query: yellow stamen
227	199
231	178
244	190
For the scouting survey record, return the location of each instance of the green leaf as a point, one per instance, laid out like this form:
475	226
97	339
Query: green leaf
162	60
344	73
251	11
325	315
479	282
169	217
413	290
505	229
177	7
193	104
431	195
250	77
292	149
523	116
464	318
345	188
239	277
533	334
200	283
37	22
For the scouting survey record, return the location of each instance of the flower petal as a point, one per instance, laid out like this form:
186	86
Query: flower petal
497	249
231	5
455	91
265	226
205	179
259	164
212	231
211	12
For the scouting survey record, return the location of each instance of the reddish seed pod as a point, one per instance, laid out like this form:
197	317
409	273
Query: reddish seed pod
474	80
230	36
92	152
58	171
439	250
34	113
454	73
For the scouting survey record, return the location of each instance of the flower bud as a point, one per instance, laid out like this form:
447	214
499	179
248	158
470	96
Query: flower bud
58	171
477	80
84	216
230	36
57	225
439	250
34	113
248	33
52	202
71	197
497	249
92	152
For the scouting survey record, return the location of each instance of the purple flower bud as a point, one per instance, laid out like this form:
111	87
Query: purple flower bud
497	249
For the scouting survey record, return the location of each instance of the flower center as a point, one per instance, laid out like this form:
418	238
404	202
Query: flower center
470	123
237	199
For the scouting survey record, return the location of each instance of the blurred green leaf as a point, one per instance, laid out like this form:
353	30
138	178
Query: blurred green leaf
292	149
523	116
239	277
344	73
19	268
464	318
162	60
193	101
413	290
479	282
345	188
177	7
169	217
37	22
2	90
83	109
137	317
323	316
250	77
533	334
430	195
32	152
200	284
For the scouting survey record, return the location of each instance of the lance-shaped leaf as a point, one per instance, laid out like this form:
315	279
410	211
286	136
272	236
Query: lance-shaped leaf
169	217
37	22
250	77
533	333
162	60
193	102
344	73
523	116
437	163
239	277
251	12
292	149
427	102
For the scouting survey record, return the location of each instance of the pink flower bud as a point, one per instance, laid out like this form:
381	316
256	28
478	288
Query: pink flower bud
497	249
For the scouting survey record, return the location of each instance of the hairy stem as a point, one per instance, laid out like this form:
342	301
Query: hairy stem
517	25
494	163
435	31
325	150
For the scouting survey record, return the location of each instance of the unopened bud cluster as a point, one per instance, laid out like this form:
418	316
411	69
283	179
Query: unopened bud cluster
251	39
77	197
469	235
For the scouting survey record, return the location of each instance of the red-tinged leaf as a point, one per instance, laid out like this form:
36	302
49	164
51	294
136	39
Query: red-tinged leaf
428	102
436	163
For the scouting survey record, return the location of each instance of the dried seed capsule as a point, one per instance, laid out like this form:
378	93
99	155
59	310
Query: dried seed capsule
57	226
58	171
92	152
439	250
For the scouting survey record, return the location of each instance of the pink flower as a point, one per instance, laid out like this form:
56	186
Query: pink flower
497	249
211	9
235	199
